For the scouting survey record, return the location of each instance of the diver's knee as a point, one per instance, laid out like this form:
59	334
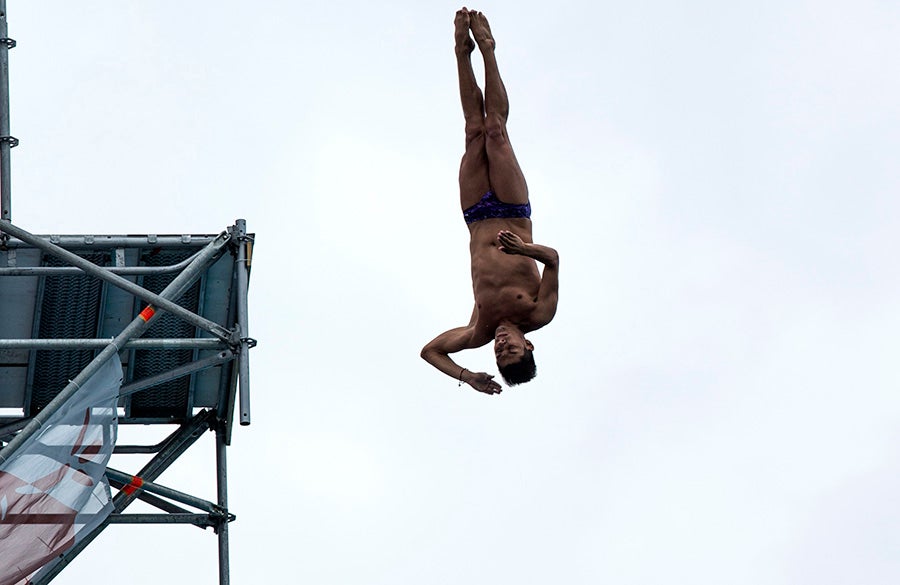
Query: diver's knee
475	136
495	129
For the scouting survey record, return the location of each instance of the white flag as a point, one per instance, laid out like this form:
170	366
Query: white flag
53	489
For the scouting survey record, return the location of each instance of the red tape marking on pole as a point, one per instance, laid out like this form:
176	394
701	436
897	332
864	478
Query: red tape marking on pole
136	482
147	313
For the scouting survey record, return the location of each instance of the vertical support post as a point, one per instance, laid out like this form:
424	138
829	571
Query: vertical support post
222	491
243	279
6	141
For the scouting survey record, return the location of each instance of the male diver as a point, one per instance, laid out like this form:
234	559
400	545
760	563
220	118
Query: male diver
512	297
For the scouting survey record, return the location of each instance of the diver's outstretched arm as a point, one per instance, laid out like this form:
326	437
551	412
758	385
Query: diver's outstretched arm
437	351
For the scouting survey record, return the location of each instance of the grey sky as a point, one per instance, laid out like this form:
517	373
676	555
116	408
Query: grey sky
716	400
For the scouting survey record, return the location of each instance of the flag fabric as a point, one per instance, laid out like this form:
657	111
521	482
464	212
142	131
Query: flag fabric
53	489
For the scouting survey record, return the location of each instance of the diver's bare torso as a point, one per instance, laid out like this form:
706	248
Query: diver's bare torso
505	286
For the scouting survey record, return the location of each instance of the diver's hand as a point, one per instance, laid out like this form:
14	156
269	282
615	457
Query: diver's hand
510	243
483	382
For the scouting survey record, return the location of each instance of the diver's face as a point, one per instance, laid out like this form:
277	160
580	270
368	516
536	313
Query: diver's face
509	346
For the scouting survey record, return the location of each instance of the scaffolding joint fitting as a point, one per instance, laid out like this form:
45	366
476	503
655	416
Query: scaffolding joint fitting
10	43
218	520
11	140
235	342
221	513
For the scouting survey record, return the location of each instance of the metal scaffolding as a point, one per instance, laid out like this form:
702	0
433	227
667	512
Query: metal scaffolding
173	307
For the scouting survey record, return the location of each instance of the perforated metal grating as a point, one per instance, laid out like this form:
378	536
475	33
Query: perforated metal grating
170	399
68	308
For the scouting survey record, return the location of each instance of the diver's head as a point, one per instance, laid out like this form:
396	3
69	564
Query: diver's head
515	355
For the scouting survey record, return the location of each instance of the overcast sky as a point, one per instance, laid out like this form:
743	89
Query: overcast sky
717	399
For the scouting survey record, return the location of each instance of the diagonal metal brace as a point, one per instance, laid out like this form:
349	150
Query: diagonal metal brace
135	484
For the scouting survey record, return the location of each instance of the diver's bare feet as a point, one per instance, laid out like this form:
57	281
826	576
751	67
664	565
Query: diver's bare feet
464	43
481	30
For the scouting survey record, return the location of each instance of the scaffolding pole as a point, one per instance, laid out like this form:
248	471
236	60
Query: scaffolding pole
96	241
72	270
222	493
73	344
244	253
6	141
219	359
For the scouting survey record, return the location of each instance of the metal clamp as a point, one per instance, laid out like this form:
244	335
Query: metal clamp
249	341
12	140
10	43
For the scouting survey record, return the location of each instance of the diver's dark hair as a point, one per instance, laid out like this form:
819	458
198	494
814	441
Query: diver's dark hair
521	371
